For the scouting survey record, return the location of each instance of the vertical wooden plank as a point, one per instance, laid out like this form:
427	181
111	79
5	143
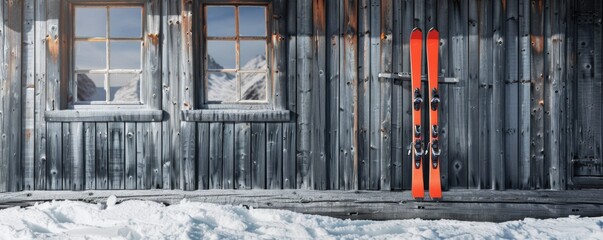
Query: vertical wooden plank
279	50
473	144
143	166
28	95
77	149
570	76
188	170
243	156
13	99
215	155
348	101
553	95
364	91
485	92
3	93
290	129
273	156
171	92
304	89
458	107
116	164
55	157
375	96
536	92
559	141
154	153
67	156
497	154
152	54
407	26
90	155
228	156
40	95
524	95
511	94
130	152
398	150
203	155
332	107
186	162
102	156
319	87
385	118
258	155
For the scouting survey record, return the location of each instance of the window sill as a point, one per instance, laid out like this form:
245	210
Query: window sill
210	115
104	116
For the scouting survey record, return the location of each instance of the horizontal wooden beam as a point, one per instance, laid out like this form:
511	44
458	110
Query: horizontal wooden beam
473	205
232	115
142	115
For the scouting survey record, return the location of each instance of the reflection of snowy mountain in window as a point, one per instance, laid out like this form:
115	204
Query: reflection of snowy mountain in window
222	87
88	91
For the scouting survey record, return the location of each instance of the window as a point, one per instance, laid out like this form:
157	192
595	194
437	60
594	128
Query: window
107	55
237	46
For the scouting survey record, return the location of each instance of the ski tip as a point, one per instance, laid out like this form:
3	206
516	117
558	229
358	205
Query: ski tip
433	30
417	29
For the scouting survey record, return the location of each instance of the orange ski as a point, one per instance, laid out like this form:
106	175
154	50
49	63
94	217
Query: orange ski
433	44
416	45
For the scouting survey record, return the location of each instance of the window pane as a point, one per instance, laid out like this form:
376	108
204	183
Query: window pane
253	86
221	55
91	87
90	55
253	55
90	22
221	87
252	21
220	21
125	22
125	54
125	87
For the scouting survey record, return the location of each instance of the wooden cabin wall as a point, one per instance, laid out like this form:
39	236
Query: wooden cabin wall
525	113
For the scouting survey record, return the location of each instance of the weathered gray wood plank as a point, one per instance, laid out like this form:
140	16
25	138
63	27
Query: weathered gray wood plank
375	96
385	101
348	101
143	164
537	94
235	115
89	156
473	143
203	155
398	150
130	150
274	172
113	115
215	155
524	95
77	152
258	155
40	95
279	49
405	102
497	154
364	93
485	92
188	170
304	90
332	106
318	96
116	158
290	163
243	156
3	93
511	104
152	54
101	155
55	157
28	95
67	157
228	163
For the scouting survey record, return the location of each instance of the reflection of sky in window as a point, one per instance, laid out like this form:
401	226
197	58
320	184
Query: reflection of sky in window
223	52
125	54
90	22
220	21
252	21
125	22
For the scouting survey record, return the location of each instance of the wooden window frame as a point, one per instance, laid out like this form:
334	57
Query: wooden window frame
273	102
150	92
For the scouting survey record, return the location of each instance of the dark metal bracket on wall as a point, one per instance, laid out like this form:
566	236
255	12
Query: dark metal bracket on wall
406	77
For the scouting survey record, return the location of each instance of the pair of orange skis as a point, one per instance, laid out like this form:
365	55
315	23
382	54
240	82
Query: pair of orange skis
433	147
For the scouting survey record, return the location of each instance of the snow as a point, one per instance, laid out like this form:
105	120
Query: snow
136	219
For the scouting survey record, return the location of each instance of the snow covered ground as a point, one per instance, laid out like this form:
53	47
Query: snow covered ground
193	220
